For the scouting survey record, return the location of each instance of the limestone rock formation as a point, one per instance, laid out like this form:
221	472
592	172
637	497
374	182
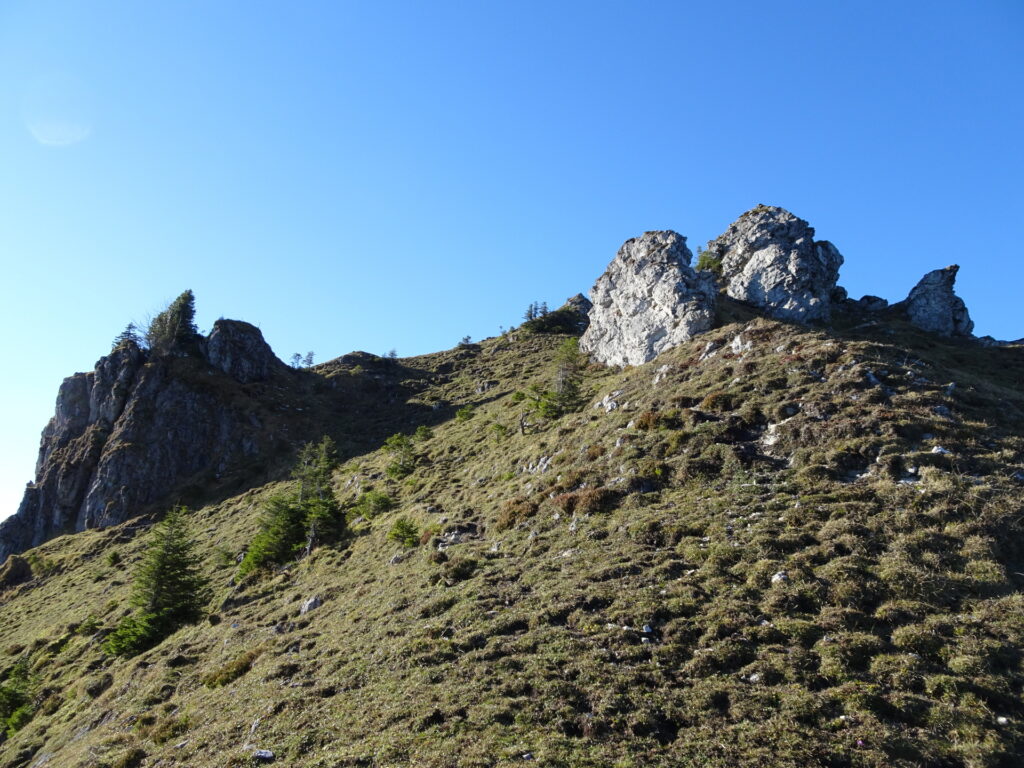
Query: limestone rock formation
129	432
647	301
932	305
769	258
238	349
579	303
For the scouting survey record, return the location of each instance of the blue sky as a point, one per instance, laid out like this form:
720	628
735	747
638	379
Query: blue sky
401	174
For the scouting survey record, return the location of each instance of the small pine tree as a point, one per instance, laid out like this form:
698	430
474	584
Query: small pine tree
371	503
295	523
16	699
297	360
403	457
321	514
307	361
404	532
565	394
168	591
130	335
280	536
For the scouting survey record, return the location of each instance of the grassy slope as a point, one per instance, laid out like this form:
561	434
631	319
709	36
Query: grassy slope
894	638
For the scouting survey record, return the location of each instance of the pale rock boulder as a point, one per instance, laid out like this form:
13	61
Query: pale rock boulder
932	305
770	259
648	300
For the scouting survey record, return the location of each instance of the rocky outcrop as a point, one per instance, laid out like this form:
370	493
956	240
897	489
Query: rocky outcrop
647	301
14	571
932	305
571	317
770	259
128	433
579	303
238	349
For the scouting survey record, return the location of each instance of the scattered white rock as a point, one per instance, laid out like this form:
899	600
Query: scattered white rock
661	374
710	350
739	345
311	604
940	450
608	402
541	465
780	578
263	754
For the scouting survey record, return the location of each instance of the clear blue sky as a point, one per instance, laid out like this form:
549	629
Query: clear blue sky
383	175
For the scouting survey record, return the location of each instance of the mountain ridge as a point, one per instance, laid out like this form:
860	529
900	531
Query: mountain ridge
777	542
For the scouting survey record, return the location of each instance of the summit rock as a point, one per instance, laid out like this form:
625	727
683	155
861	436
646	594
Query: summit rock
770	259
648	300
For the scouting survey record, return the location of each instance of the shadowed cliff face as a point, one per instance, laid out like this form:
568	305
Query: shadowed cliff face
137	427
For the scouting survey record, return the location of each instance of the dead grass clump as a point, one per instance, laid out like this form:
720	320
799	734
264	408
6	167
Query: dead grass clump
646	421
515	511
719	402
588	501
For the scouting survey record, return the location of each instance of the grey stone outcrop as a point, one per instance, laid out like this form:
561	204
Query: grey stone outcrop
932	305
770	259
238	349
648	300
137	427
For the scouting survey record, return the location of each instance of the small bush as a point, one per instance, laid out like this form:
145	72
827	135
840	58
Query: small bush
17	693
89	626
404	532
113	558
460	569
465	413
423	432
40	564
717	401
710	263
232	670
133	635
169	729
403	457
372	503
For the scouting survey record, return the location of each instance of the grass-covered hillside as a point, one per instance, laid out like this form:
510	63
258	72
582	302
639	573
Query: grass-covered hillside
771	546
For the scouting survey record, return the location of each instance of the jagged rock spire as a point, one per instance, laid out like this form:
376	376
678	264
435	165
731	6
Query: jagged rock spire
932	305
